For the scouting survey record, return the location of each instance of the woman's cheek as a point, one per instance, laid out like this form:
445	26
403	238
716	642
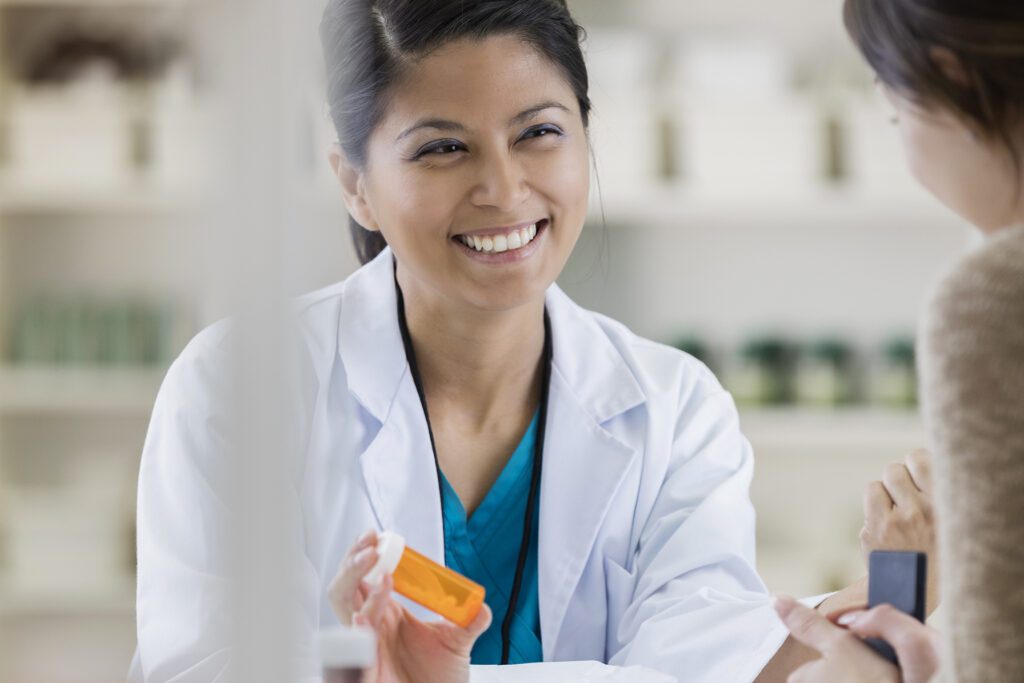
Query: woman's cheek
564	180
423	204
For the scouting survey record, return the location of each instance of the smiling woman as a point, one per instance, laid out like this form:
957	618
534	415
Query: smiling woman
471	161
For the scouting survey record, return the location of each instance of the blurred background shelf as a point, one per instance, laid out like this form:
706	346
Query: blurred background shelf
821	209
824	427
43	4
74	391
130	201
116	601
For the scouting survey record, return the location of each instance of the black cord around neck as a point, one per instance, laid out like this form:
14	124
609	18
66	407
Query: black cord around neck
538	457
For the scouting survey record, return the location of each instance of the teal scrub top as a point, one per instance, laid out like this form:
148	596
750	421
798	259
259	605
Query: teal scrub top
485	548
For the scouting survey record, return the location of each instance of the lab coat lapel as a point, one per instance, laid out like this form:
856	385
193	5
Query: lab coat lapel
583	463
398	465
401	478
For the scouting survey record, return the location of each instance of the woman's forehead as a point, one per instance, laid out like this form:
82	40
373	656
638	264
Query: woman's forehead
478	82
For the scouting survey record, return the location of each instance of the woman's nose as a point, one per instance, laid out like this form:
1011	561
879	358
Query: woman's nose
501	184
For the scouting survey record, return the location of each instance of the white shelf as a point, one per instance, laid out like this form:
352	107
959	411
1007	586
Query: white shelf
821	208
93	392
852	426
111	601
130	200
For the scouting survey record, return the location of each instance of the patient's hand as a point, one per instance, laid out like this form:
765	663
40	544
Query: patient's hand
846	659
898	514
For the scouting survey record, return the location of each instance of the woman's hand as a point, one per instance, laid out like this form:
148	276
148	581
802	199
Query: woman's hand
407	648
898	514
845	659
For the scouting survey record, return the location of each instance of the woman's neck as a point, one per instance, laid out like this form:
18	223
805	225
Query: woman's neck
485	364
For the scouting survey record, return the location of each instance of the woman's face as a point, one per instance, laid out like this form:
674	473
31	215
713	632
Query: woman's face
970	173
478	174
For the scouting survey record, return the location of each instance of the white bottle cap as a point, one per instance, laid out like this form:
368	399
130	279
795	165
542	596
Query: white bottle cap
348	647
390	547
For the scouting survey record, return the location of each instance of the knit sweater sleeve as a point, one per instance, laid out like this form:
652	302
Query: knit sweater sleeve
972	372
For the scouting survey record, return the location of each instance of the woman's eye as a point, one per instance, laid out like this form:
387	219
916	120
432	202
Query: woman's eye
546	130
441	148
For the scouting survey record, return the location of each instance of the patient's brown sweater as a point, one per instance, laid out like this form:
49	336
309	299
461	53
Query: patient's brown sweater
972	372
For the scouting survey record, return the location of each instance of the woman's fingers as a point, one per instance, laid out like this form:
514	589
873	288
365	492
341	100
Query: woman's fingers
377	601
919	464
811	628
480	624
461	640
916	644
900	486
877	506
843	616
845	659
877	502
344	591
898	512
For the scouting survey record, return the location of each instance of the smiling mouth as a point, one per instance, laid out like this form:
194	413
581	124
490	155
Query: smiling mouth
501	241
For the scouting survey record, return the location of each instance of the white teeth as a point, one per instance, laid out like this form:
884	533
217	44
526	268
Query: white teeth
496	244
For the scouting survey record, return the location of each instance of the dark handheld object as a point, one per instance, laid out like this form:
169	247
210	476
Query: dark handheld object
898	579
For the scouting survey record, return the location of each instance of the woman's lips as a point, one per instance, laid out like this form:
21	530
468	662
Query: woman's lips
497	243
503	246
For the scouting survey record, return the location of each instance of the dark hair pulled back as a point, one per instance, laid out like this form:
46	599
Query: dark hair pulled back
896	38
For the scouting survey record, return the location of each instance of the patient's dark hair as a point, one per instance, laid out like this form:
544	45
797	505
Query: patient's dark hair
368	43
987	36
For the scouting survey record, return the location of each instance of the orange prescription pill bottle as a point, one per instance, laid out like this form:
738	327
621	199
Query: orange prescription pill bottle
425	582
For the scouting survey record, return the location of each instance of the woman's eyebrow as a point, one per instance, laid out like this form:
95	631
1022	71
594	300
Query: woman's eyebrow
445	124
439	124
526	115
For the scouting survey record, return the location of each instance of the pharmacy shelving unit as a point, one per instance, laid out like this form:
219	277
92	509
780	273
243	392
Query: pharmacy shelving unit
67	613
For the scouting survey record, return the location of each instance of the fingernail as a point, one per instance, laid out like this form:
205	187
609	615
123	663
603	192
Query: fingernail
848	618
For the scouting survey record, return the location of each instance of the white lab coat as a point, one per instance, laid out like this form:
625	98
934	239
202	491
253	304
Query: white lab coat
646	548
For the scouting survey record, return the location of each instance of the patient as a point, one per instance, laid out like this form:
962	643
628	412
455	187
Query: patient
954	71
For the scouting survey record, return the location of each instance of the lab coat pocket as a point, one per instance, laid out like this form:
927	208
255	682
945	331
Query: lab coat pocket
620	586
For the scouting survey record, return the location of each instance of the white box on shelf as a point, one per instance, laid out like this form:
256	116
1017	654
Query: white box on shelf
624	136
744	147
62	141
181	132
624	121
749	66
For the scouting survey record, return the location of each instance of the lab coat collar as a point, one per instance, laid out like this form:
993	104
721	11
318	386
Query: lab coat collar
369	341
594	370
370	346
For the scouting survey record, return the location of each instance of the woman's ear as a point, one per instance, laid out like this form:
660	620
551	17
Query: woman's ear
352	188
950	65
